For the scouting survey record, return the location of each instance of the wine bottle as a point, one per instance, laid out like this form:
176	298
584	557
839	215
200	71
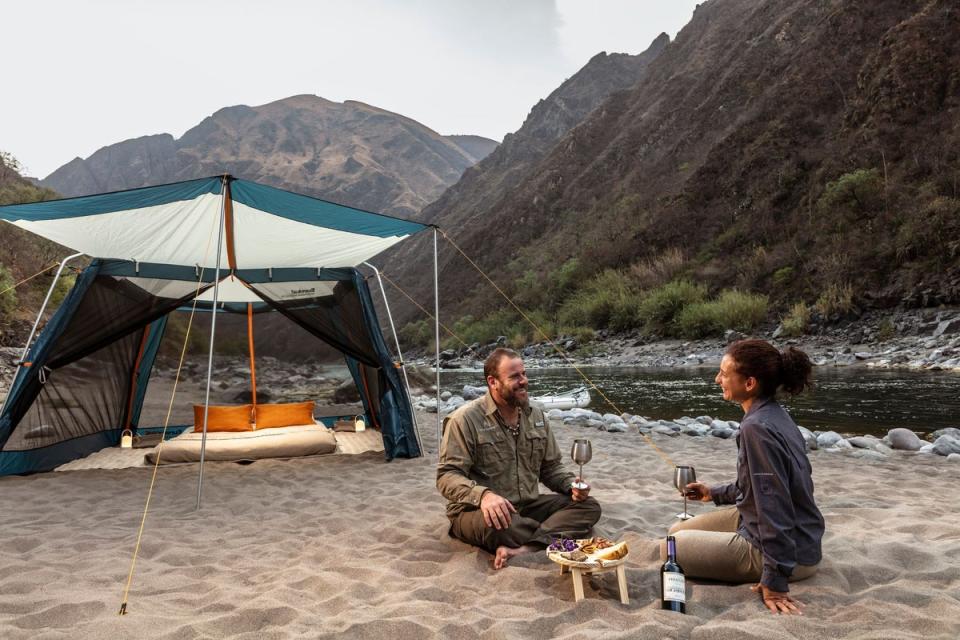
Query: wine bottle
673	587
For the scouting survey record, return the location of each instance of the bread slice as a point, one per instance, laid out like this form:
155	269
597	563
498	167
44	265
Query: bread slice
615	552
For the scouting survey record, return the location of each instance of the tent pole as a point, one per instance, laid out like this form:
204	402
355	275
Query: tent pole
403	365
43	307
213	330
436	318
36	323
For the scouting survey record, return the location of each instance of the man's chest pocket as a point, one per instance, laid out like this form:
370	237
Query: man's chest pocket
491	455
535	446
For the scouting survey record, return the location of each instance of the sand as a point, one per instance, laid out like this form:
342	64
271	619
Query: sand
352	546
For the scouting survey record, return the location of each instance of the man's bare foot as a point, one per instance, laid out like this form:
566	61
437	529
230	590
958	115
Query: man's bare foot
505	553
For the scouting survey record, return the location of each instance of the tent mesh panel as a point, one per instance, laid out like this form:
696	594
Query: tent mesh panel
84	387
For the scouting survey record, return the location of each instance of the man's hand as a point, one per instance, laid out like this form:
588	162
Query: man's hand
698	491
778	602
496	510
579	495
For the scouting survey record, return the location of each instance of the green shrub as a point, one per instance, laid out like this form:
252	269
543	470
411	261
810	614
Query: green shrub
731	310
595	303
856	192
61	289
836	299
740	310
8	295
565	278
886	330
657	271
417	334
660	306
797	320
483	330
625	314
698	320
783	276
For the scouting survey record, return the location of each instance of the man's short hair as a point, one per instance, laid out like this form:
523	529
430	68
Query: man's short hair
492	364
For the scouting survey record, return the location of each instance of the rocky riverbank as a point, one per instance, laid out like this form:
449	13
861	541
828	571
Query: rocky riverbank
918	339
897	442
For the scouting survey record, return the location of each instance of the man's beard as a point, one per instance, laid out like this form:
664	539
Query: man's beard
509	396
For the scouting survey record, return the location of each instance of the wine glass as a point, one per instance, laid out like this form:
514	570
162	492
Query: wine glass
581	454
682	476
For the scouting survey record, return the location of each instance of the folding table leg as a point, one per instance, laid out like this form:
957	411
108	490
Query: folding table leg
622	582
577	575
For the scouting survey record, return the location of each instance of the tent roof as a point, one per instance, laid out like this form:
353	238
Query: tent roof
176	224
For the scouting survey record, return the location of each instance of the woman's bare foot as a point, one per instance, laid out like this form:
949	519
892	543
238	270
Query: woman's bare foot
505	553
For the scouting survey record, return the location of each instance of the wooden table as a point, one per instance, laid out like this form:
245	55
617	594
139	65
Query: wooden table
578	569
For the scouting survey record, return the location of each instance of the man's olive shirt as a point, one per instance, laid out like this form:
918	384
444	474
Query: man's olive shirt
477	454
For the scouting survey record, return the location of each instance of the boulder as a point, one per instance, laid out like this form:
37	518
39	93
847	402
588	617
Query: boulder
471	392
616	427
863	442
732	336
595	424
953	457
809	439
839	445
828	439
666	431
904	439
947	327
704	420
867	454
445	395
724	433
926	449
953	432
694	429
612	418
945	445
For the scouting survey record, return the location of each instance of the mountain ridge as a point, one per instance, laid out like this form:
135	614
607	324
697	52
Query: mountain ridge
349	152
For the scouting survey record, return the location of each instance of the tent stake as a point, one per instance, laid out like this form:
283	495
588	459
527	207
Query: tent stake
213	330
403	365
436	318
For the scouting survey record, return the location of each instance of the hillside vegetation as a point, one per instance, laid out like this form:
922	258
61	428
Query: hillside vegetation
23	255
780	158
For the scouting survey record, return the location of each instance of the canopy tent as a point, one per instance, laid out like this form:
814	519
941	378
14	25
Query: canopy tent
221	243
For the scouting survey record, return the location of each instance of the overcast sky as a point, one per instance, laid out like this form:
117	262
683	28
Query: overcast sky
78	76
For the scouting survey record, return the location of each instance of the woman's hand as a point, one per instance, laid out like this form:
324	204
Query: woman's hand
777	601
698	491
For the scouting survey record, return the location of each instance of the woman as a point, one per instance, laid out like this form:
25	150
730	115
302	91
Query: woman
772	536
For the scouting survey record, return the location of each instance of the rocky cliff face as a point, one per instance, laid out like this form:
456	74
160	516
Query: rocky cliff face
466	206
781	145
347	152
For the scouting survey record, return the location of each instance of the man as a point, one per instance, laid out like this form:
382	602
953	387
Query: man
495	452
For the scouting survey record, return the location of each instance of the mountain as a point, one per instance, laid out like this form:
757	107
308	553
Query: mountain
349	152
484	187
781	146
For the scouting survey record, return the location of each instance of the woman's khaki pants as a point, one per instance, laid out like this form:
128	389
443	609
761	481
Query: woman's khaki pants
708	546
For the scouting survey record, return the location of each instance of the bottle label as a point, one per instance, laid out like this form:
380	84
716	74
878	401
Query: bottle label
674	587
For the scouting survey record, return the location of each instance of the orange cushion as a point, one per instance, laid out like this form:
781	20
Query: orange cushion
223	418
288	414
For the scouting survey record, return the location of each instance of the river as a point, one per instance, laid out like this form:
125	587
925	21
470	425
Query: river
850	400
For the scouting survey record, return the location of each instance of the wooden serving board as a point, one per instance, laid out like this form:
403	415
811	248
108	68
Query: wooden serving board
587	564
